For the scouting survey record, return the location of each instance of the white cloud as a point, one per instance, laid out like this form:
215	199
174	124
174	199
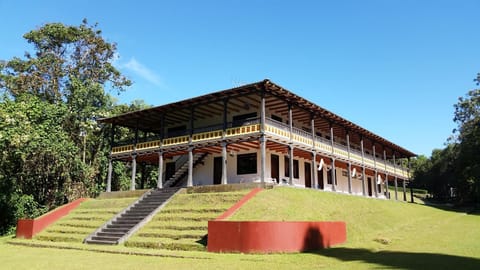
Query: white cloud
142	71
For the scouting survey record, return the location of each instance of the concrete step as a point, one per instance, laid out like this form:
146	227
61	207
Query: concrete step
138	214
115	230
134	218
105	238
101	242
119	226
124	222
110	234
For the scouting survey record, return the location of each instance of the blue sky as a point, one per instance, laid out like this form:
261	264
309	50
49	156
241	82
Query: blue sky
395	67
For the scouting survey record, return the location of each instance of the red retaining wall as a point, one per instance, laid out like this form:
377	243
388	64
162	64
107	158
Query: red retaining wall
271	236
27	228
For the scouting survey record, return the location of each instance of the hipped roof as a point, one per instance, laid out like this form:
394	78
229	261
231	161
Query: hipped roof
145	119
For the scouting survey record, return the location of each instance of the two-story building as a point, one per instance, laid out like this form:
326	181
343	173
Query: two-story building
258	132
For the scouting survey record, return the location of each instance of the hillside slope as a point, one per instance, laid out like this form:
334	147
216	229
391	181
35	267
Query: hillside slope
372	223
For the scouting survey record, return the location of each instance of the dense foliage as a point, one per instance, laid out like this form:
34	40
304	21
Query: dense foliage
453	173
52	150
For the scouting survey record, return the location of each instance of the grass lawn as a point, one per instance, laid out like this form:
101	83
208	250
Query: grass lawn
380	234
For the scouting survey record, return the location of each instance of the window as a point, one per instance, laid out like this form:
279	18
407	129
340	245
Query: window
277	118
247	163
176	131
243	119
295	168
329	177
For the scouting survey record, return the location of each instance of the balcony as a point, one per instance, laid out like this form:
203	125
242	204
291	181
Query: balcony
274	129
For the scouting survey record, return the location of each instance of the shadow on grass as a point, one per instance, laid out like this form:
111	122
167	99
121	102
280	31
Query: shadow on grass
203	241
403	260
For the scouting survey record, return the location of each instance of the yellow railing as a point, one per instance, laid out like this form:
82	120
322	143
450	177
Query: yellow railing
146	145
175	140
211	135
243	130
277	131
237	131
122	149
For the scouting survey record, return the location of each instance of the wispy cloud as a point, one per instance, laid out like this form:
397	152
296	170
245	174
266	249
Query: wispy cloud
142	71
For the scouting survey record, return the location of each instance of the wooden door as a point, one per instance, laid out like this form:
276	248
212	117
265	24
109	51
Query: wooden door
308	175
274	168
217	170
320	179
369	183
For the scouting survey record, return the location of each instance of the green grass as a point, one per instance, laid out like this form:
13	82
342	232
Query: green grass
381	234
83	220
182	224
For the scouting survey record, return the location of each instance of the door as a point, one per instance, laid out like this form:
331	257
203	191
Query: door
169	170
369	183
217	170
320	179
274	168
308	175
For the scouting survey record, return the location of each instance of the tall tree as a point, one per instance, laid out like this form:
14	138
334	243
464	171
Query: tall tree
54	96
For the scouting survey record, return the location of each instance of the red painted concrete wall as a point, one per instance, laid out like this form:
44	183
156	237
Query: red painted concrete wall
27	228
267	236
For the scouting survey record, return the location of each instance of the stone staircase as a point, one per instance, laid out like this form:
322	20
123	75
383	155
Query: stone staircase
182	171
127	222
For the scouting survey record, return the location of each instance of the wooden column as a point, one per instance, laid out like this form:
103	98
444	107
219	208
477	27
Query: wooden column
404	190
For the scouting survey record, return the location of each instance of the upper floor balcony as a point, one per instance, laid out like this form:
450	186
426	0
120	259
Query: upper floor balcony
274	130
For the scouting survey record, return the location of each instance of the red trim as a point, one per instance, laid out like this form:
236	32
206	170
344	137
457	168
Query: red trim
239	204
27	228
266	236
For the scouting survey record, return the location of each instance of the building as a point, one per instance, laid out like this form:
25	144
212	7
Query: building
258	132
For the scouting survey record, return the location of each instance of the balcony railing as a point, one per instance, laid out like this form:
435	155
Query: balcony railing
272	127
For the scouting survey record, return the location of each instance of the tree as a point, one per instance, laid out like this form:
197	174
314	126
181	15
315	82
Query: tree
467	117
49	98
37	157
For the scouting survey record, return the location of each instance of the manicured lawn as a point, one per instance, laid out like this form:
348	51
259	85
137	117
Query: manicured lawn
381	234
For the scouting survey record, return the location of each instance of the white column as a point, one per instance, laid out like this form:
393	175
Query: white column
396	188
134	171
263	140
334	176
314	170
364	192
109	175
375	186
290	164
190	167
349	165
263	158
224	163
160	170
